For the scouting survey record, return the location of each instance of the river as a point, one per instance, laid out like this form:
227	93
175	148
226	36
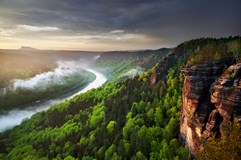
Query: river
15	117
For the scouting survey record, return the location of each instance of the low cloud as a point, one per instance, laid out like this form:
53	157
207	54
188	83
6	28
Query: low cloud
64	70
6	32
133	72
117	31
38	28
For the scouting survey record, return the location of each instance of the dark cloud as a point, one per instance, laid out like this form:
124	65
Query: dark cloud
172	20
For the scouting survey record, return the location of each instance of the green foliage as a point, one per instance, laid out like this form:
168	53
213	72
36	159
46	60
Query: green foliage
235	48
111	126
97	115
69	158
25	152
131	119
228	147
110	152
120	66
140	156
216	50
232	75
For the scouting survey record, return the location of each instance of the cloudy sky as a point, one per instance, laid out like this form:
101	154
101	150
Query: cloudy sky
114	24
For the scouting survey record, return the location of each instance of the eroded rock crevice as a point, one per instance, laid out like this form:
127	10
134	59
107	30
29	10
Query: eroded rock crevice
210	96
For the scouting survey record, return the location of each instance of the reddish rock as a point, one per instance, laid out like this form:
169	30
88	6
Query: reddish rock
209	100
154	78
226	93
196	102
213	123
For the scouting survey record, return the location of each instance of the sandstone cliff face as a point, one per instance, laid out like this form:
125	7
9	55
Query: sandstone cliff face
226	95
208	99
196	102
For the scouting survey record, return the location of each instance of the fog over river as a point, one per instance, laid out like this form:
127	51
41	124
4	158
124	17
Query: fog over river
15	117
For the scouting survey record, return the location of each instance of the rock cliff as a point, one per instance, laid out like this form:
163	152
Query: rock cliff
208	99
226	95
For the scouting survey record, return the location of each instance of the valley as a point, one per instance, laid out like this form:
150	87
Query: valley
14	117
152	104
120	80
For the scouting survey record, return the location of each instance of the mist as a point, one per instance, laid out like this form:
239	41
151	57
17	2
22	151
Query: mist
133	72
64	69
16	116
96	57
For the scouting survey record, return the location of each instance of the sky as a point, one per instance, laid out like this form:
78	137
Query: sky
102	25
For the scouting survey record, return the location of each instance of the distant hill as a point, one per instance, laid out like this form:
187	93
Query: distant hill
27	48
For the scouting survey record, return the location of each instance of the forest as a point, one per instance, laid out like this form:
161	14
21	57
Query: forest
127	118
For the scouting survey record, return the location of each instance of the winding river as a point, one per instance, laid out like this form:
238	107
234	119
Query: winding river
15	117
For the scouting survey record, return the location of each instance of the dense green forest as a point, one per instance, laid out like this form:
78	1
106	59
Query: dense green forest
131	119
114	121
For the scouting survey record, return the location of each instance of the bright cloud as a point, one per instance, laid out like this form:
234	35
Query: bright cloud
38	28
117	31
65	69
6	32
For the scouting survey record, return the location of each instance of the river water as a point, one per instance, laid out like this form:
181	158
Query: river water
15	117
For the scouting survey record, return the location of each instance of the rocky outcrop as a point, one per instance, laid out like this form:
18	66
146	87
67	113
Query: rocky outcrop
162	68
207	100
196	102
154	78
166	63
226	95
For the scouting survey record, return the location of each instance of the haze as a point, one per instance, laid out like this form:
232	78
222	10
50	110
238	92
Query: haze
114	25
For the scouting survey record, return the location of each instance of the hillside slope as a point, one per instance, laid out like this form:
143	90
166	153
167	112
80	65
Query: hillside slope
134	119
115	121
121	65
211	94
